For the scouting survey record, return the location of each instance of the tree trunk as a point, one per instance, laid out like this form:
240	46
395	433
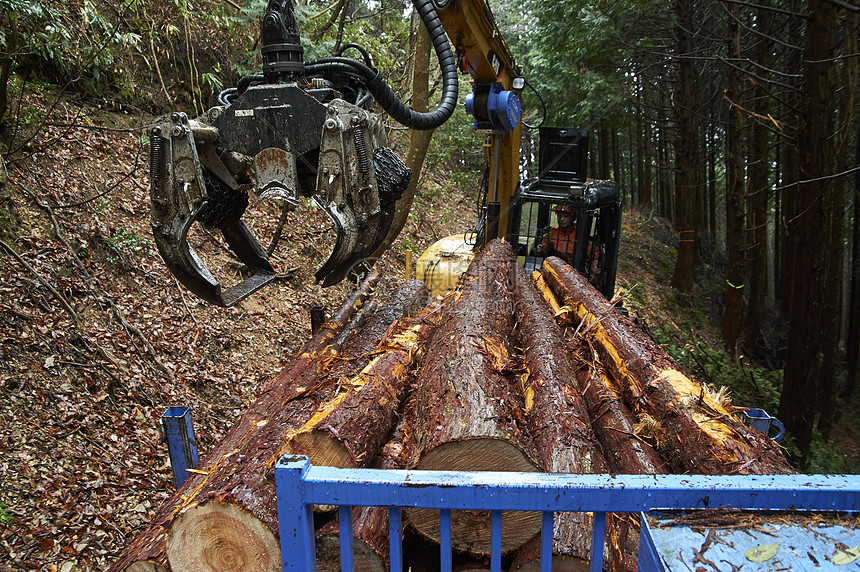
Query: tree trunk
467	406
757	195
419	140
637	187
731	329
603	142
148	551
853	343
696	432
685	151
806	317
348	430
834	302
647	149
712	180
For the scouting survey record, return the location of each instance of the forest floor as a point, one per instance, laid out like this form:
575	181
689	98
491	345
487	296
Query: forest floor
97	339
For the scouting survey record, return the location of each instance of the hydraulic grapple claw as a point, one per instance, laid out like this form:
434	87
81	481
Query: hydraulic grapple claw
358	183
180	195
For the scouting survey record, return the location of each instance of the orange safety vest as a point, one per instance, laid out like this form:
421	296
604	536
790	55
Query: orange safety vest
562	241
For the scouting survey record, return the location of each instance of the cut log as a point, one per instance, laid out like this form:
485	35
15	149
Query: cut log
348	430
357	352
618	557
147	553
248	489
558	420
555	412
369	543
699	434
146	566
467	405
625	451
369	526
611	419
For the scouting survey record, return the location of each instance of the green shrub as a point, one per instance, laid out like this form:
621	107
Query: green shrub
749	386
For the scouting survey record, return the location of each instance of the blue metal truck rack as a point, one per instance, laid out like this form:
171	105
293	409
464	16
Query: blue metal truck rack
301	485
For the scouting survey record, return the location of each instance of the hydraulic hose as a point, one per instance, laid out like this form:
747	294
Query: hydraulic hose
448	65
383	93
364	53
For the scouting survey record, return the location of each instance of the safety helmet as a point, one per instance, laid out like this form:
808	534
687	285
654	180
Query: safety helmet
564	209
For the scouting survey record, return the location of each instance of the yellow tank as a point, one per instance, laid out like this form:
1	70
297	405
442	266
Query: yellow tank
441	265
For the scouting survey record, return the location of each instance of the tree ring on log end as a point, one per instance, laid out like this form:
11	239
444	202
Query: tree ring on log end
470	530
221	537
322	450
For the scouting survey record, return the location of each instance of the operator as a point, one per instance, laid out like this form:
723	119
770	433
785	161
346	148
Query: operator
559	241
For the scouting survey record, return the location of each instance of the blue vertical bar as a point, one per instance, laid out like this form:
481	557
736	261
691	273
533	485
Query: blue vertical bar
597	541
496	541
295	518
181	445
649	559
546	537
395	536
344	520
445	539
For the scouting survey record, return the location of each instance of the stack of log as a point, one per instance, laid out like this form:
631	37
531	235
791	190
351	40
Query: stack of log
507	373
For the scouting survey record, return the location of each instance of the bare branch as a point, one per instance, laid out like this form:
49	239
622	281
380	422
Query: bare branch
44	283
845	6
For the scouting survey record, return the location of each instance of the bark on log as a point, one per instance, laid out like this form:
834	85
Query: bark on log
558	420
246	497
611	419
147	553
466	404
348	430
614	424
357	352
699	435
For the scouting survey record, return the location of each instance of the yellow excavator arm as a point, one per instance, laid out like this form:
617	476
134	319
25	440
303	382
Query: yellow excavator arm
483	53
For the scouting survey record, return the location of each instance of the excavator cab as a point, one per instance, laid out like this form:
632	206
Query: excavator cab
591	243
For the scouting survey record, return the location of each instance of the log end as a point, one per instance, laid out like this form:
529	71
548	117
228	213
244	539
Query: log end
476	454
364	558
470	530
322	449
559	564
221	537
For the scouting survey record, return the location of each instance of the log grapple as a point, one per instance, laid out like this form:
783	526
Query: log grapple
298	129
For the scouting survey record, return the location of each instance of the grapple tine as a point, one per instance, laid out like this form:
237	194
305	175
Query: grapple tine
347	238
358	182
